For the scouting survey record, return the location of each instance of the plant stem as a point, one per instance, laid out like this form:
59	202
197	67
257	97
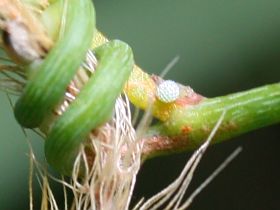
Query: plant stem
187	122
189	126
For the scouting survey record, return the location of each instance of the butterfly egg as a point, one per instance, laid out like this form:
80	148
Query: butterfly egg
168	91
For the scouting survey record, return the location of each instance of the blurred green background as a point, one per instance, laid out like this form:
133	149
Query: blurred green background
224	46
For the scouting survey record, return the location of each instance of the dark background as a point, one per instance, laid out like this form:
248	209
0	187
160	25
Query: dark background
224	46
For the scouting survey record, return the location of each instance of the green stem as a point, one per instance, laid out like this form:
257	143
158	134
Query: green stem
186	123
189	126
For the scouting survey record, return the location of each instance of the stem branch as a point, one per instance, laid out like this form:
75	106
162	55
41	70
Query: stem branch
189	126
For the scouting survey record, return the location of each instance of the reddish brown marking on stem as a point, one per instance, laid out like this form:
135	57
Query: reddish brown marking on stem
186	129
194	99
158	145
156	79
225	128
